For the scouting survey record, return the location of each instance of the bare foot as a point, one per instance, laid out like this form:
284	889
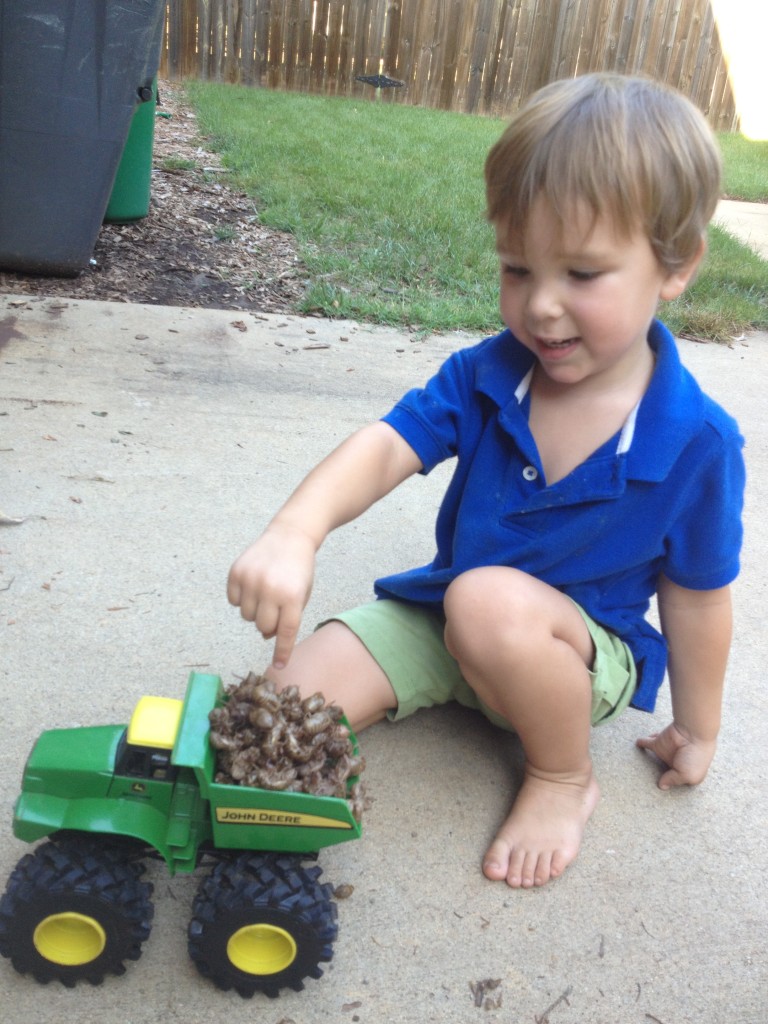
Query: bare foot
542	834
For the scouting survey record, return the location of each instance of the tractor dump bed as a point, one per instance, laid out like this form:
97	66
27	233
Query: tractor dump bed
249	818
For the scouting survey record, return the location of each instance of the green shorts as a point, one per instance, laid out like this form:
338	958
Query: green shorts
406	640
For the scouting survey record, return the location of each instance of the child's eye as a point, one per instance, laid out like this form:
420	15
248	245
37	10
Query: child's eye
513	271
584	275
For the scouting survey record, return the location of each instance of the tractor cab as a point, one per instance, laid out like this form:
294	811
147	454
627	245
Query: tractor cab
146	747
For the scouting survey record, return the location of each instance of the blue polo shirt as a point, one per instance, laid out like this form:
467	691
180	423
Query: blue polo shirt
664	495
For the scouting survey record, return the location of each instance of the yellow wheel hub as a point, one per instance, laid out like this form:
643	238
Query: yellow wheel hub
70	939
261	949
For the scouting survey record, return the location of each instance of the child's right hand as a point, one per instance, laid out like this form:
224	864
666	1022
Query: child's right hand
271	582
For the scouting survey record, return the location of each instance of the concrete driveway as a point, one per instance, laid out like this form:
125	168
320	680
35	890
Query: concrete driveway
142	448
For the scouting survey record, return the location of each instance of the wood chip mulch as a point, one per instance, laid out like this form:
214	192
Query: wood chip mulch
201	244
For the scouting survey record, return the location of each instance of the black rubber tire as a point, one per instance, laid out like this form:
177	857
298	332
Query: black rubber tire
93	883
271	891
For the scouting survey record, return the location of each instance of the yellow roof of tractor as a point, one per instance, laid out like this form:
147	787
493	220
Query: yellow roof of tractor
155	722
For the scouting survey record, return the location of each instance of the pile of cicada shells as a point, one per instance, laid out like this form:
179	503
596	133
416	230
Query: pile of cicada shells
277	740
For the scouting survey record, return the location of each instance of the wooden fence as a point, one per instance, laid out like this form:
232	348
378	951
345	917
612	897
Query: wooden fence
477	56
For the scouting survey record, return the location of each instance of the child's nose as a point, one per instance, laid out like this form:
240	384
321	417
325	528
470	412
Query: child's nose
544	302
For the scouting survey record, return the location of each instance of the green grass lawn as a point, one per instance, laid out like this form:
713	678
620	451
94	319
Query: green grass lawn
386	202
746	168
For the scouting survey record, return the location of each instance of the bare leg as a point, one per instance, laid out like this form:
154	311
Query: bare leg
524	648
336	663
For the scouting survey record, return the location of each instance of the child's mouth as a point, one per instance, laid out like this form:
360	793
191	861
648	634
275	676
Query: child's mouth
552	346
562	343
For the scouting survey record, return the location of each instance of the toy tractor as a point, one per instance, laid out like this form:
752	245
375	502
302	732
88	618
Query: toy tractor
107	797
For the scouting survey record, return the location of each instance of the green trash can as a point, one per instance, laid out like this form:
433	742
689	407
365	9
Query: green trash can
132	187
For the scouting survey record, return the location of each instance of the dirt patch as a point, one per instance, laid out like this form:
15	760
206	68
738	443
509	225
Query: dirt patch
201	244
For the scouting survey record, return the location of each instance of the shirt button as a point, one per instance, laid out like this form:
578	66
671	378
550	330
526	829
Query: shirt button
530	473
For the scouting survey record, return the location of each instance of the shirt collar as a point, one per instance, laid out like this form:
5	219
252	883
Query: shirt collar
670	414
657	430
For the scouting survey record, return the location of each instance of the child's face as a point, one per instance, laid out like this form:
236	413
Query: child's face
582	296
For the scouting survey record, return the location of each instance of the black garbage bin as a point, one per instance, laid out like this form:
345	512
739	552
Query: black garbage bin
72	73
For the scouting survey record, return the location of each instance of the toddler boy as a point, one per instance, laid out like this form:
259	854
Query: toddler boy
591	472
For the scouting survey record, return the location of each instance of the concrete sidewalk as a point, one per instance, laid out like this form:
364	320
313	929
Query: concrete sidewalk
142	448
747	221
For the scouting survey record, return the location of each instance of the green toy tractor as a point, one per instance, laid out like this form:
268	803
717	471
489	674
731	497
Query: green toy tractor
106	797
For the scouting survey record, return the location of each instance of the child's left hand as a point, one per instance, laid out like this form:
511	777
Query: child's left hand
687	759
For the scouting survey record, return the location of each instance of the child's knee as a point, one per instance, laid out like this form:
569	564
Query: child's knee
477	593
463	588
499	611
480	606
464	603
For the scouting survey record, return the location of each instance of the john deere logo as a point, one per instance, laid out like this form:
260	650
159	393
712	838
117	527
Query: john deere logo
262	816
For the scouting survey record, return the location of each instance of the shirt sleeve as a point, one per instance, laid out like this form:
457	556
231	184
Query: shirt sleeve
704	543
429	418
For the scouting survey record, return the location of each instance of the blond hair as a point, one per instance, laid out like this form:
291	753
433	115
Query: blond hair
629	148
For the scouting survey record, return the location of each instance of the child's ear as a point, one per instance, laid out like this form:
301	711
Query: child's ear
678	280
